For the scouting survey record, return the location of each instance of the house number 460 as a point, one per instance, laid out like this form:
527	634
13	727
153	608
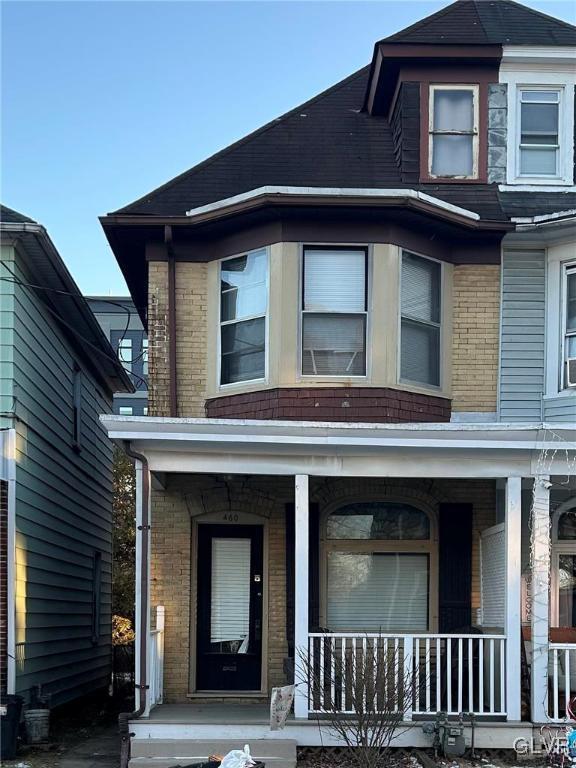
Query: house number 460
229	517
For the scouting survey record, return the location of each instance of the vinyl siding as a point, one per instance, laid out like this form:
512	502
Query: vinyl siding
63	509
560	410
522	341
6	336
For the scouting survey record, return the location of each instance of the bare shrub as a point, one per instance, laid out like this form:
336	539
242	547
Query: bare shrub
361	691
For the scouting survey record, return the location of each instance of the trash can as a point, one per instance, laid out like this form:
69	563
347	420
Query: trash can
10	711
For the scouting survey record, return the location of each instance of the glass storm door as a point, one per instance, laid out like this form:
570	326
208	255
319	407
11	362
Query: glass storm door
230	587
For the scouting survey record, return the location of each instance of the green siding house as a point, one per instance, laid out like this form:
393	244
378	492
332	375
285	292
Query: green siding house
57	375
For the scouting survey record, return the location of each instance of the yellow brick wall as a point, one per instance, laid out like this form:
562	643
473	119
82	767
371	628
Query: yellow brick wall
191	334
475	339
158	361
173	574
191	337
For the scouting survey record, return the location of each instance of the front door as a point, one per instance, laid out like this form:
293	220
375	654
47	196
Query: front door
230	588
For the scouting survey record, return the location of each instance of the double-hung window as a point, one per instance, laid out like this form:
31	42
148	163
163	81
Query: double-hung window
243	307
453	131
539	127
569	361
420	320
334	309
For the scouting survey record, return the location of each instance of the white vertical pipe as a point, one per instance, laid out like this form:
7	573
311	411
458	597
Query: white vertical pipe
301	595
513	529
539	597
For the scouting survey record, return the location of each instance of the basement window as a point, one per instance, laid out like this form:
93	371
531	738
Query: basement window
453	131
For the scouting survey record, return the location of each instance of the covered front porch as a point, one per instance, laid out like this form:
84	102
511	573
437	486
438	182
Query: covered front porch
401	545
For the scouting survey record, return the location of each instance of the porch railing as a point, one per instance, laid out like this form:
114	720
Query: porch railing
562	679
156	659
438	673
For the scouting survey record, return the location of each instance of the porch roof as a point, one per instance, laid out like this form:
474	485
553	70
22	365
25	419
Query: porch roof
235	446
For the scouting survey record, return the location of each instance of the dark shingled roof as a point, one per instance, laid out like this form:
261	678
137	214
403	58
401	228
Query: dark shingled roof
326	142
329	141
12	216
487	22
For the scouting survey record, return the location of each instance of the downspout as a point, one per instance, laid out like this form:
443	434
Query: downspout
171	320
142	527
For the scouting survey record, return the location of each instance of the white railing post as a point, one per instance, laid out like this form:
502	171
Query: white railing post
513	534
301	642
539	598
408	673
160	616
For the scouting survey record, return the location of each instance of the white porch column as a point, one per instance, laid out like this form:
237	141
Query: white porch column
301	595
540	597
513	528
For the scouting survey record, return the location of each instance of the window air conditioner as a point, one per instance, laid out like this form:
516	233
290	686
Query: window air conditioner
571	372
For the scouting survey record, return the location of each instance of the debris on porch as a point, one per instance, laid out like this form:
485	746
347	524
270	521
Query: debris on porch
336	757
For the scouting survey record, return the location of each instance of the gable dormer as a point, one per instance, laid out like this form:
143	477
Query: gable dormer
458	108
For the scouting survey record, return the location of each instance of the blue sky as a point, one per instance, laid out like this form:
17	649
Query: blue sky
104	101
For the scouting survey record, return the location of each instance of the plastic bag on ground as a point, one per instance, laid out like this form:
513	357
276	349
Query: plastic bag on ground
238	758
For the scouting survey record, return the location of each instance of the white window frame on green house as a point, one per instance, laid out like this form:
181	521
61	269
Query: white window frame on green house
410	317
435	132
247	318
558	269
332	310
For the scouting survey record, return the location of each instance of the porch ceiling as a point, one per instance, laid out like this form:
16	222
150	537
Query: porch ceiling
337	449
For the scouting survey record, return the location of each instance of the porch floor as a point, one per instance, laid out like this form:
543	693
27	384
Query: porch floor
213	713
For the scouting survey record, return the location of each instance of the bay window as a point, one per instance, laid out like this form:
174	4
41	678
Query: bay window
334	310
379	560
420	324
243	309
569	345
539	128
453	131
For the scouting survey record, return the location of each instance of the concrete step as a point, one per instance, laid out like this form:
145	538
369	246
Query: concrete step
169	753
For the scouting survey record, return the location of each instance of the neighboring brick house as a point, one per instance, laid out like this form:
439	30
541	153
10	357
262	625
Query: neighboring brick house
57	375
347	314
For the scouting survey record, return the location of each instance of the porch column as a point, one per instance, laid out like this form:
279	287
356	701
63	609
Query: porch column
540	597
301	596
513	528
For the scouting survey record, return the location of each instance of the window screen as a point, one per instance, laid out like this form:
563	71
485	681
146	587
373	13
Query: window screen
243	306
420	322
334	312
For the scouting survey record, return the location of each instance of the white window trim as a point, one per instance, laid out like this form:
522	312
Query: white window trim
264	379
556	327
431	387
475	133
563	547
567	268
533	78
407	546
301	312
560	150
